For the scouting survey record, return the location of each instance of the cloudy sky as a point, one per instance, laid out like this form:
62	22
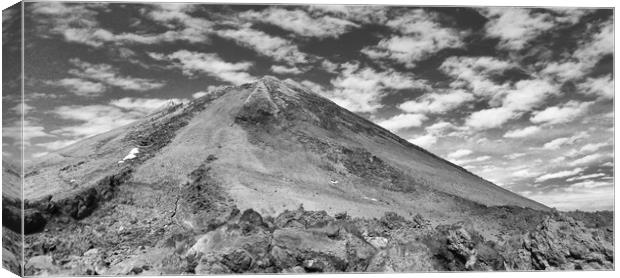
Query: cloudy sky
522	97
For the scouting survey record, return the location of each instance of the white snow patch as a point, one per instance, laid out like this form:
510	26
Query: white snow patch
132	154
372	199
334	181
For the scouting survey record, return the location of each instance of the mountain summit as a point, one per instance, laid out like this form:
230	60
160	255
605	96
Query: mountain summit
178	179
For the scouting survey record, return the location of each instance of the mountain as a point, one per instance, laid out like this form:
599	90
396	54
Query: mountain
248	177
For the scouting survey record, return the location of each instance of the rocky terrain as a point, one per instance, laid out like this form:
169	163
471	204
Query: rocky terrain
269	177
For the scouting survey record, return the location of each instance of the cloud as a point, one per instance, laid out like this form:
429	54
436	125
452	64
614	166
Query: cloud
588	199
523	132
561	114
108	75
602	87
592	147
285	70
361	89
529	94
586	177
516	27
436	103
26	132
275	47
94	119
302	23
475	74
590	184
561	174
459	153
80	86
442	128
514	155
591	49
524	174
199	94
22	108
419	36
524	96
559	142
145	105
56	145
365	14
588	159
424	141
600	44
403	121
78	23
192	63
490	118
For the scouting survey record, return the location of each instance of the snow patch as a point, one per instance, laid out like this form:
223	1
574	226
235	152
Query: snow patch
372	199
132	154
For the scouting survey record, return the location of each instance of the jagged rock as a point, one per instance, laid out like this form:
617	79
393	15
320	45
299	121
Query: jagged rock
41	265
402	257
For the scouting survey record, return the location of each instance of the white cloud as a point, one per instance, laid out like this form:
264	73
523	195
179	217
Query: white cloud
285	70
211	64
436	103
524	96
490	118
361	89
80	86
564	71
603	87
302	23
106	74
524	174
588	159
561	174
464	162
403	121
588	199
459	153
275	47
145	105
591	49
590	184
516	27
474	74
26	133
601	43
586	177
91	120
424	141
523	132
441	128
421	35
561	114
559	142
368	14
329	66
199	94
56	145
529	94
78	23
514	155
592	147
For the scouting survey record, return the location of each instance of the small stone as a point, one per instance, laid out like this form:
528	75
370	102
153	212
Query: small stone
136	270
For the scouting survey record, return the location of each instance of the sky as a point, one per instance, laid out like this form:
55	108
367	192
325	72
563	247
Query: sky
522	97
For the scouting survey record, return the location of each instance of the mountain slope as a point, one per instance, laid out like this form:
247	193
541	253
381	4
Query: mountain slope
266	148
280	133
